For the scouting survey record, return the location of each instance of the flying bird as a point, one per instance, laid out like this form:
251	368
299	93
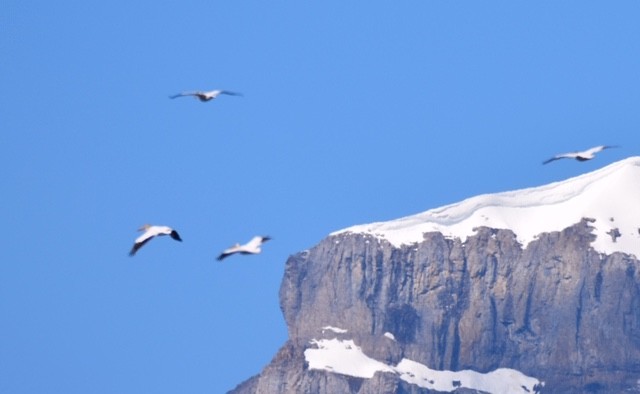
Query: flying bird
251	247
206	96
580	156
151	232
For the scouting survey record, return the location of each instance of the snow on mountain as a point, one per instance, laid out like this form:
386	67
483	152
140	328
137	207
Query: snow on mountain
344	357
610	195
337	330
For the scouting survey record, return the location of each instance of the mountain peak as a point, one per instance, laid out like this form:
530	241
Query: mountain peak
605	196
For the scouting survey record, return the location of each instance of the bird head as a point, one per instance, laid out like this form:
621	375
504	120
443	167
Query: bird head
144	227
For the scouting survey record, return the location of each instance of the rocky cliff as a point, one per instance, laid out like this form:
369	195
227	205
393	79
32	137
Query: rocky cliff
480	313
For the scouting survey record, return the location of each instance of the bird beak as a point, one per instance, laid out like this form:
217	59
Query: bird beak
144	227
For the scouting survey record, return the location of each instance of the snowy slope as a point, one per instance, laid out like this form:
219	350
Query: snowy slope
344	357
610	195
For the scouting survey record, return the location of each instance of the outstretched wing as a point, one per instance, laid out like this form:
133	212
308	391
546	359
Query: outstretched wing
570	155
224	255
184	94
229	251
138	245
600	148
554	158
230	93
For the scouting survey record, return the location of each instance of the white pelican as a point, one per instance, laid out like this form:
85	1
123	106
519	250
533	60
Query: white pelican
580	156
206	96
149	233
251	247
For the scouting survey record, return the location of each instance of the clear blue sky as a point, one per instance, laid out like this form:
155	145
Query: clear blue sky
352	112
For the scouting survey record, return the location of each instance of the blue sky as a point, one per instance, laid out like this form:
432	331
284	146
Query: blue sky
352	113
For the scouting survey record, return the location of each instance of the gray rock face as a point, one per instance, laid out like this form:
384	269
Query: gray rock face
555	310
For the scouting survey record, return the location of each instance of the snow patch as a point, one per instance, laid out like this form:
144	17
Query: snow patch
390	336
334	329
500	381
344	357
610	192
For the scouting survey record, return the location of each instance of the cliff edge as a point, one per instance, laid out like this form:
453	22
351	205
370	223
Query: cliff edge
472	308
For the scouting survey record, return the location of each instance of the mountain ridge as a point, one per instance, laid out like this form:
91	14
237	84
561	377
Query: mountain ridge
445	313
603	195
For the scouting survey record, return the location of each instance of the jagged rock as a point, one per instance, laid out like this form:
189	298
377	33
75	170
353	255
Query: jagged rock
614	233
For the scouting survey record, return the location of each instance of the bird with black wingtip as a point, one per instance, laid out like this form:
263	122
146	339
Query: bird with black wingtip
580	156
251	247
206	96
151	232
